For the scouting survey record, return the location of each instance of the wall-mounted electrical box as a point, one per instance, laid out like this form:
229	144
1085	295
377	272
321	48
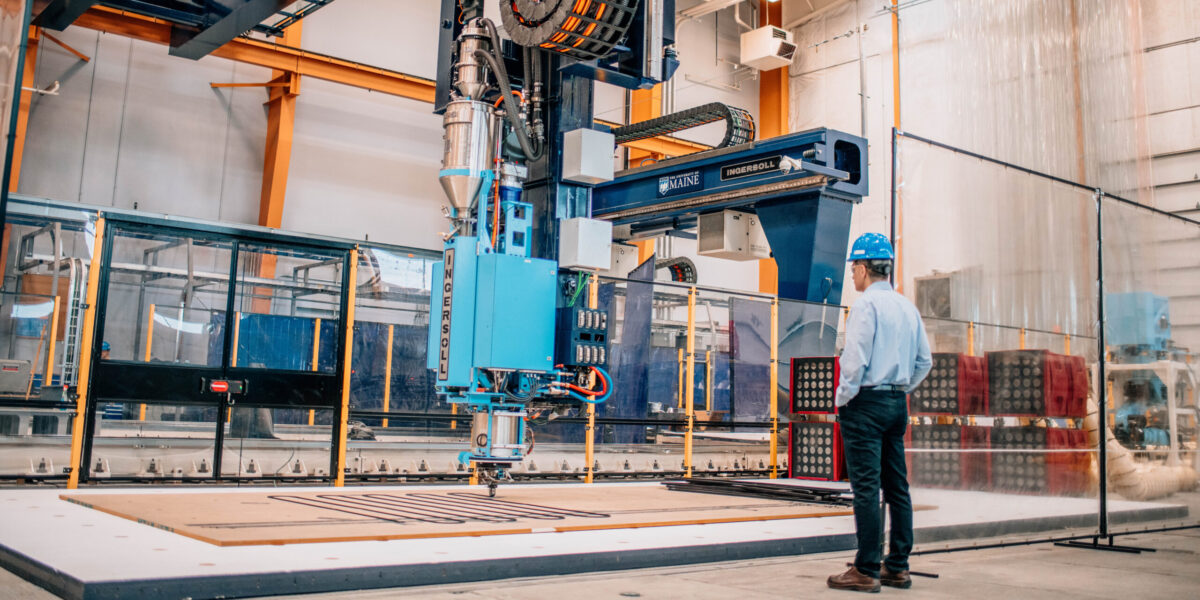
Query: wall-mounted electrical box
585	244
732	235
767	48
587	156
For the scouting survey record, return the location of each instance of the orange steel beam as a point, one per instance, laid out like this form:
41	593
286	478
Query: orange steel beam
665	145
772	121
272	56
277	159
35	38
65	46
282	57
281	119
643	106
241	85
899	216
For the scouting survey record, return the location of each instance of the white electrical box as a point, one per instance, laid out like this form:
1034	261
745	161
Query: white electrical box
588	156
585	244
767	48
731	235
624	260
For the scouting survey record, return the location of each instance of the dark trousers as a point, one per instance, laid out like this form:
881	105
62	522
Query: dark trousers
873	426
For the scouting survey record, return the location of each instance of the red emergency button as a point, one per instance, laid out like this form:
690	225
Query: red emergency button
219	387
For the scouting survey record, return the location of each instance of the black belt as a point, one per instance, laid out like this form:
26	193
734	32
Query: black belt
886	388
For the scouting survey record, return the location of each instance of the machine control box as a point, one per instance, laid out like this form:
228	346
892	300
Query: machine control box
732	235
583	337
585	244
587	156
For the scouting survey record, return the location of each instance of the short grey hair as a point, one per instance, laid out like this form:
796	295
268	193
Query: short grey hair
877	267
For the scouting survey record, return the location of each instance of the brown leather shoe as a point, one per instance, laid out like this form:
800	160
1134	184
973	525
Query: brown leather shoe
899	579
854	580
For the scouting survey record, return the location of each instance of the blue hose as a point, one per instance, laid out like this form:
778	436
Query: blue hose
582	398
611	384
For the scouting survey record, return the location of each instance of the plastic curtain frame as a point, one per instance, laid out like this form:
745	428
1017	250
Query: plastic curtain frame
1007	262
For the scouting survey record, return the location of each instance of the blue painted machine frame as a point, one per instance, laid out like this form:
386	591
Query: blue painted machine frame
803	187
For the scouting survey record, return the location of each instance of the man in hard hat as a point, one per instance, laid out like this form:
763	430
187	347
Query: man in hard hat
886	356
105	350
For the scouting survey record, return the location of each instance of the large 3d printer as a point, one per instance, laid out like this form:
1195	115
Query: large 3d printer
534	204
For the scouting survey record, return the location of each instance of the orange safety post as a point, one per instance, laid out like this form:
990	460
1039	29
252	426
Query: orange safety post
316	352
387	376
85	361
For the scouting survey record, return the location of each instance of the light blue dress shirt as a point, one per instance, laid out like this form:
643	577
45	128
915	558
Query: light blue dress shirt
885	344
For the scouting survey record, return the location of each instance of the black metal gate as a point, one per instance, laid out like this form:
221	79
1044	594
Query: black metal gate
217	279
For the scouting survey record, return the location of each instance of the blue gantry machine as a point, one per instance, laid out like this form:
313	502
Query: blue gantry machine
535	205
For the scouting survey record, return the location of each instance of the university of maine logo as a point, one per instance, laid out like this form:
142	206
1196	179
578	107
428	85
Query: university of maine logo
670	185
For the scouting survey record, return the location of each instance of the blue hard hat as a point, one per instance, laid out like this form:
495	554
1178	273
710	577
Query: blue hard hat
104	347
871	246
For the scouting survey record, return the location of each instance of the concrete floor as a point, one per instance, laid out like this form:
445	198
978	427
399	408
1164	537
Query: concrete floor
1026	572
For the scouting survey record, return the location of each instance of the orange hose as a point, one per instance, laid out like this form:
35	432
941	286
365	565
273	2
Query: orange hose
496	214
582	390
603	390
517	93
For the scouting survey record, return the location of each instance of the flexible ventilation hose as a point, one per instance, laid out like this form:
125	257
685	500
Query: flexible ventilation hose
1131	479
531	148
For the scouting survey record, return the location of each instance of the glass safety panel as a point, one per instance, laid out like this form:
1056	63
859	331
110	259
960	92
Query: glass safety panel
166	298
287	304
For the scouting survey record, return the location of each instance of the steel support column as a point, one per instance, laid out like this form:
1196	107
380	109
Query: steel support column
643	106
277	158
27	83
772	121
277	155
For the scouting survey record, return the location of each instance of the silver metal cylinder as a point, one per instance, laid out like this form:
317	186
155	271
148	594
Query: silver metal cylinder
470	71
504	440
467	128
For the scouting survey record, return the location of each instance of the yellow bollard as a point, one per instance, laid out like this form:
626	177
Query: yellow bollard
344	414
387	376
312	414
679	372
237	332
691	378
773	397
49	376
146	355
85	361
589	441
708	397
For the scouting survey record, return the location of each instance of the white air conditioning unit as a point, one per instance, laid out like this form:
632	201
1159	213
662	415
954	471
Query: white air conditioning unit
767	48
731	235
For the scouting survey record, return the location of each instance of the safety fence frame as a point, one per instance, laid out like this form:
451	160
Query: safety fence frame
1099	197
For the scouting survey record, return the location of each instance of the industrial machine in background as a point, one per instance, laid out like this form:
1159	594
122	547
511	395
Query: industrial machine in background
1152	378
534	203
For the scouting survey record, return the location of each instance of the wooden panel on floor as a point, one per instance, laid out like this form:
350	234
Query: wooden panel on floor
246	519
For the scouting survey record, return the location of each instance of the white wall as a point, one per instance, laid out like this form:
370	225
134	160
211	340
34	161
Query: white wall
1170	29
136	125
1172	68
825	82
